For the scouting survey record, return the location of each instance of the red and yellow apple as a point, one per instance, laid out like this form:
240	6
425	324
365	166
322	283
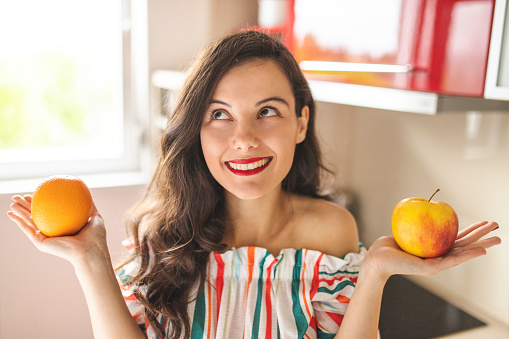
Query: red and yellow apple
424	228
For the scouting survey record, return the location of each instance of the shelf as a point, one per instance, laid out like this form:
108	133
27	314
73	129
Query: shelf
369	96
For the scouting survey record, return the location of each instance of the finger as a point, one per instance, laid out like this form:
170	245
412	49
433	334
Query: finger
23	202
23	213
470	228
94	211
95	222
464	256
435	265
484	243
481	246
95	216
29	229
476	234
489	242
455	257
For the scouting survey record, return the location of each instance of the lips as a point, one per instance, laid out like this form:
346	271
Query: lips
245	167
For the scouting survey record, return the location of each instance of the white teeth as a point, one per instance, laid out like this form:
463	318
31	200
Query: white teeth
250	166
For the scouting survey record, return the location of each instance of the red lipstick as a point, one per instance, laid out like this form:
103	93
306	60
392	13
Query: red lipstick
248	172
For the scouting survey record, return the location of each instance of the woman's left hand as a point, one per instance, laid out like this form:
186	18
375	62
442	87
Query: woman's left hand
385	258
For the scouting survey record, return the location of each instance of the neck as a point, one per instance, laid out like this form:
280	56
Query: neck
254	222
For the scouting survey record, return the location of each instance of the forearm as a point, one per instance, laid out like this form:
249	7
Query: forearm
363	312
109	314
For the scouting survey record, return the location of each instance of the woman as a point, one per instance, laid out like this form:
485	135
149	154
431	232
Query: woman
233	237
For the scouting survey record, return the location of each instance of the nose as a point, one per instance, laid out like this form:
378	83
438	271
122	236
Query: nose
245	137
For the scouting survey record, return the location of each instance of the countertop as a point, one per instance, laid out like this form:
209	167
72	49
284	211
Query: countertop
410	311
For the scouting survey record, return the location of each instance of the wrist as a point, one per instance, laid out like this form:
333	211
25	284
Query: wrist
93	261
370	274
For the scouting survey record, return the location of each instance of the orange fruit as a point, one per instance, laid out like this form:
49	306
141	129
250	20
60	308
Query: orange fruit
61	205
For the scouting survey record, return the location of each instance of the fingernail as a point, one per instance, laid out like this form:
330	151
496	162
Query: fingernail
496	228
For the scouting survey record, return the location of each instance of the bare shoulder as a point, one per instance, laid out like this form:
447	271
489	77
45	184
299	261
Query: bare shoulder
327	227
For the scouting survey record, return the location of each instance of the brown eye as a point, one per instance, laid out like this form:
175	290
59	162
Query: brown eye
268	112
219	115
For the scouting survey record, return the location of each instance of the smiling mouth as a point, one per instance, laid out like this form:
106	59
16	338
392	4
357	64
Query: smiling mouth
248	166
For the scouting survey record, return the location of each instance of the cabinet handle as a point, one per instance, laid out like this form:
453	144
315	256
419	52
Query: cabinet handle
332	66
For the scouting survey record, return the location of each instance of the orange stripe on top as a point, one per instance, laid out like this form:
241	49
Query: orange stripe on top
316	278
250	262
219	283
343	299
304	284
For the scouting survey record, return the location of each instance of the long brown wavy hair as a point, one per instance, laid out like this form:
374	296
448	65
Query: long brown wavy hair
180	220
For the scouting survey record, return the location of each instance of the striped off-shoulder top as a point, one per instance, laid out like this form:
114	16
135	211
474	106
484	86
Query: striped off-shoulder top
252	294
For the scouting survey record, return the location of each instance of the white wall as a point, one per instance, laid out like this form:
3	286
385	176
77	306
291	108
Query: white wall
180	28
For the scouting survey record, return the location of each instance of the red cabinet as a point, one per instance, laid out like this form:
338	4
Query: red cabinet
438	46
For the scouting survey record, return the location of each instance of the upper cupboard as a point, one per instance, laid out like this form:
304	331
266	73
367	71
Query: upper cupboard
448	47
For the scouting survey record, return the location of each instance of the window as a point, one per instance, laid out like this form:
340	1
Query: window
69	91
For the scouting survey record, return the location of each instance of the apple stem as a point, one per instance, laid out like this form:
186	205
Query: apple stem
438	189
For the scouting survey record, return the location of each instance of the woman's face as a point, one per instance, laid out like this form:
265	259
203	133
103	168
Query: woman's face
250	129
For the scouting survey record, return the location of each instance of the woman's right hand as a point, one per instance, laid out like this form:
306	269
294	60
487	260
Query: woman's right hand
88	252
89	241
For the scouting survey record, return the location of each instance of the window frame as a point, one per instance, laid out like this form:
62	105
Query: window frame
135	111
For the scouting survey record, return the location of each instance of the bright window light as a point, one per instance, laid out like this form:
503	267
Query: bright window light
63	71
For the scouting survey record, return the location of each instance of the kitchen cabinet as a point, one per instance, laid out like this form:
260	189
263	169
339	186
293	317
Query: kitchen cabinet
417	56
497	76
420	56
431	46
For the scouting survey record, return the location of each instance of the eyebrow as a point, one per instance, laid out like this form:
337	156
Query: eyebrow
278	99
261	102
220	102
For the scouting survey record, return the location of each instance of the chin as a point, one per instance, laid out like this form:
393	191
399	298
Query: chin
249	192
247	195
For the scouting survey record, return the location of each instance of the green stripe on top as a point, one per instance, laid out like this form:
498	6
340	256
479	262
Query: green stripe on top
300	319
324	335
340	272
276	273
256	320
338	287
199	316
